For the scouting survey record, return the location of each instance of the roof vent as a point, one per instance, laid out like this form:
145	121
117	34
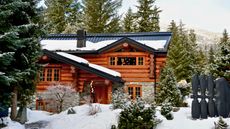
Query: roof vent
81	38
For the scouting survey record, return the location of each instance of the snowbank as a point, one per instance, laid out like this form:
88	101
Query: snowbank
107	117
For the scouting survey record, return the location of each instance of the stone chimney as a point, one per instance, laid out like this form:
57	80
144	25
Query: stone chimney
81	38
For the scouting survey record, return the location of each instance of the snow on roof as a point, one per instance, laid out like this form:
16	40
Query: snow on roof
96	46
156	44
59	44
72	57
106	70
81	60
72	44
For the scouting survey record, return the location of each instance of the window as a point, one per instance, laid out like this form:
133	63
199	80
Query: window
56	74
42	76
140	61
50	74
126	60
112	60
134	91
132	61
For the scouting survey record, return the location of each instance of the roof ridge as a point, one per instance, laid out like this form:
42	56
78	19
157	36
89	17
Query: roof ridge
121	34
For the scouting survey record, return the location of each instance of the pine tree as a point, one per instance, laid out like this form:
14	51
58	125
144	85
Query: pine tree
61	15
211	54
119	99
137	116
166	110
201	61
19	50
148	16
221	65
101	15
168	88
178	57
183	55
224	38
129	21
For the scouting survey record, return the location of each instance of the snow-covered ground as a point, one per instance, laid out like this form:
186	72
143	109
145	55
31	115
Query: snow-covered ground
107	117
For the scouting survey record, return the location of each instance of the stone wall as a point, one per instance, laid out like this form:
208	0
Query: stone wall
147	90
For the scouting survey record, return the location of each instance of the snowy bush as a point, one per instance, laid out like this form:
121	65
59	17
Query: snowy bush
168	88
62	96
94	109
119	99
137	116
184	87
166	110
221	124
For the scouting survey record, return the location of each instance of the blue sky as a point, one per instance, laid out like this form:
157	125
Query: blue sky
212	15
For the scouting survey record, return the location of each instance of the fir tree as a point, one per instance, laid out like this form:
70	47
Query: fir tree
137	116
168	88
166	110
119	99
201	61
129	21
182	55
224	38
220	67
177	57
148	16
61	15
19	50
101	15
211	54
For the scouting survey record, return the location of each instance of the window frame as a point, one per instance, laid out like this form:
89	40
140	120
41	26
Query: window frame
134	87
55	77
115	58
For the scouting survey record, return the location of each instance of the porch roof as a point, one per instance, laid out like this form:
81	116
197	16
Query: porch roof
85	65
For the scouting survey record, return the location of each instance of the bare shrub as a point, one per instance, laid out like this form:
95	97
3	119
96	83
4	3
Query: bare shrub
61	96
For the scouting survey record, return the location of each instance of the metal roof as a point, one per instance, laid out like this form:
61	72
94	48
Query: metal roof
97	37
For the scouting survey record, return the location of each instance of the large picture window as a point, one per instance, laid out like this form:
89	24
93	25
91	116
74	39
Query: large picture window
50	74
134	91
131	61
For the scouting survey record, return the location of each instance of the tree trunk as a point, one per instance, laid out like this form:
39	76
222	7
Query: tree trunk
13	113
22	114
60	108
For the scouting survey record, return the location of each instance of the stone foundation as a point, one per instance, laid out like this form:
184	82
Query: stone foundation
147	90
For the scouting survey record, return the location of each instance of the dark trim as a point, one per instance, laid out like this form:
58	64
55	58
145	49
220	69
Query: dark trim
168	43
161	52
127	40
155	75
82	66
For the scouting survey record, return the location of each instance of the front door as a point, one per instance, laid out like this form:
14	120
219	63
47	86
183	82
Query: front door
101	94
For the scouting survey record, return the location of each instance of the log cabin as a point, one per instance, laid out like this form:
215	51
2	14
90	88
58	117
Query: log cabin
131	60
